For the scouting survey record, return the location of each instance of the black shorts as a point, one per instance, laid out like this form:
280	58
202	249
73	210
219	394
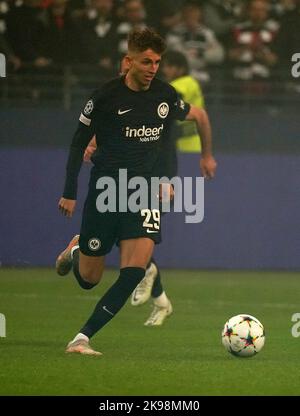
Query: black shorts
100	231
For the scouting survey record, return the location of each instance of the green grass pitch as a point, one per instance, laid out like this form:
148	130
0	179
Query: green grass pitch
183	357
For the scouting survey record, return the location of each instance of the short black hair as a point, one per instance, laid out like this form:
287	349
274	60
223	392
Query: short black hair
178	59
139	40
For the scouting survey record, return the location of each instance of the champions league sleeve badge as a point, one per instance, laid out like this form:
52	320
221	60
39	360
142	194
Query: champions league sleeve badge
88	108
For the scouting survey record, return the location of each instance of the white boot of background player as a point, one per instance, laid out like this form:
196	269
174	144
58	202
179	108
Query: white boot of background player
143	290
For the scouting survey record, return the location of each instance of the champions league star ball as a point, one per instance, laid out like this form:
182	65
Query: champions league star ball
243	335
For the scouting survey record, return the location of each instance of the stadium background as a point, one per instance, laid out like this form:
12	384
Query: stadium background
251	220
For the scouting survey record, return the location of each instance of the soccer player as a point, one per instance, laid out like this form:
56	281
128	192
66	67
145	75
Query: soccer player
175	69
151	284
124	114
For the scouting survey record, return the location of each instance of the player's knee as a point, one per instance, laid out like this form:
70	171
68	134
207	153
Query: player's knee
91	275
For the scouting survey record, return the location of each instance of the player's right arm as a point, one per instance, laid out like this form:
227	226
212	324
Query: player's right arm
84	133
208	164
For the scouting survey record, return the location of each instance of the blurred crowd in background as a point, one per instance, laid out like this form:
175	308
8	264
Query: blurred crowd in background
249	43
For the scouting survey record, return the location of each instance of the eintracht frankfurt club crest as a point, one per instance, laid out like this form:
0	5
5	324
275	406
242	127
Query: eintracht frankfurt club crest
163	110
94	244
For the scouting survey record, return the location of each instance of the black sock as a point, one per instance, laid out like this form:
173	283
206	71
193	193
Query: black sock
82	283
113	300
157	288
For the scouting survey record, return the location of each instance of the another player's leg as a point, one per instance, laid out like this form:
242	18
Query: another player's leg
143	290
162	305
134	257
151	285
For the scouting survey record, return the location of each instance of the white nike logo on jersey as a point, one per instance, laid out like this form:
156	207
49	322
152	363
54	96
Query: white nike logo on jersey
120	112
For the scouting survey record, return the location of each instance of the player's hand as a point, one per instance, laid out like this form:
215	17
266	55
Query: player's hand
92	146
208	166
166	192
88	153
67	206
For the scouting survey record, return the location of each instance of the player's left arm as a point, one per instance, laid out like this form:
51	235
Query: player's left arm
208	164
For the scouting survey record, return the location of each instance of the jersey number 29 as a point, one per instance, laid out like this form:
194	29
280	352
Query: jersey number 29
152	220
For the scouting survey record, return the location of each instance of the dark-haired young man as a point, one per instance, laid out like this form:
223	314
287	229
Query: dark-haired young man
151	285
128	115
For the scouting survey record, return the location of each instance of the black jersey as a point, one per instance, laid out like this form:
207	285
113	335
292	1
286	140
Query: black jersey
129	127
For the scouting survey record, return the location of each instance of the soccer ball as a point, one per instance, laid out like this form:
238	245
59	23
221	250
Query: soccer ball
243	335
